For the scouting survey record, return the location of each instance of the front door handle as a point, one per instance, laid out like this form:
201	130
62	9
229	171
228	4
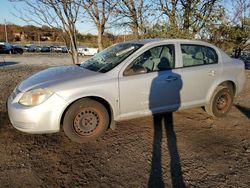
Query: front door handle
171	78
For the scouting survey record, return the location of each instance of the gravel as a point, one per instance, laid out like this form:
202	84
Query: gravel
194	150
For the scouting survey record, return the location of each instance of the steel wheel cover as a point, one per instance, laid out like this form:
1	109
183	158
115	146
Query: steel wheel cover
223	102
86	121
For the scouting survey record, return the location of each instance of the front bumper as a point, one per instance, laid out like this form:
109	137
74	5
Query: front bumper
43	118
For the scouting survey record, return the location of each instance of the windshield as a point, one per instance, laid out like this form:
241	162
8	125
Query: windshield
110	57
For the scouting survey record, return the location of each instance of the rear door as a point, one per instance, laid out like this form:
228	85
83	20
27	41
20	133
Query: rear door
200	69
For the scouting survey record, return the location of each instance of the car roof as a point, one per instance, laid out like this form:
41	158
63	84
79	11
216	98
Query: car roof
157	40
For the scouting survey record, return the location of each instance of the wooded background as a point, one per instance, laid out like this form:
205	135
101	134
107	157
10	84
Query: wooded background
225	23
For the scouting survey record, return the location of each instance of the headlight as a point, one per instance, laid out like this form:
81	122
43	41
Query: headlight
35	97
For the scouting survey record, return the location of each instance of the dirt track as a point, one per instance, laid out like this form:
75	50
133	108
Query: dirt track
192	149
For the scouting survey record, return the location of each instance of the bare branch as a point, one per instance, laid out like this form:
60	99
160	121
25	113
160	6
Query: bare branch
59	13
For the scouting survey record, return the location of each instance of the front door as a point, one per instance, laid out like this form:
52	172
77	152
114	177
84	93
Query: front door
153	91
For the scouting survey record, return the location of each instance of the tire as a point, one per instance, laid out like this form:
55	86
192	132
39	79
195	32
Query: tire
221	102
85	121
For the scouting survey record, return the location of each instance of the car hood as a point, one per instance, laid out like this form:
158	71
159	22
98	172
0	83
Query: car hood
55	76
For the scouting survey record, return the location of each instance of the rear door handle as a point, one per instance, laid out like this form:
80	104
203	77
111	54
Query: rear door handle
171	78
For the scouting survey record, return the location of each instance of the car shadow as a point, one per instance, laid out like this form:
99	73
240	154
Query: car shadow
7	63
243	110
4	119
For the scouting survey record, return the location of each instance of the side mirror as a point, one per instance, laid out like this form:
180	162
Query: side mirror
134	70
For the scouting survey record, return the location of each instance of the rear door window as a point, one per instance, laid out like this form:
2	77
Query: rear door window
195	55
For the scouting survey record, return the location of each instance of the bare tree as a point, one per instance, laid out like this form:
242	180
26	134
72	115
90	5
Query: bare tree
99	11
184	17
239	21
134	13
240	11
196	13
54	13
169	8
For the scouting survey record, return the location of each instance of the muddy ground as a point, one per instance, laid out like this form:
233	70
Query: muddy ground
192	149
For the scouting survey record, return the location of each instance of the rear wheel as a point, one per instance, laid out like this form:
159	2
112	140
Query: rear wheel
221	102
85	120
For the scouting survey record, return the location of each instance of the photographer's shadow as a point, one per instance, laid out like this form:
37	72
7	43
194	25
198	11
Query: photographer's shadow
164	123
165	91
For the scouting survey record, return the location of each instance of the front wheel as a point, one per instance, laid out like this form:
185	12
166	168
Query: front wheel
85	120
221	102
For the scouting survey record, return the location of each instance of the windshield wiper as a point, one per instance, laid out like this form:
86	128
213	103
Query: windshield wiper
125	51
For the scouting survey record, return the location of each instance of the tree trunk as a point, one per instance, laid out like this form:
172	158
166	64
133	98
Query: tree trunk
135	31
74	56
100	37
173	16
135	26
172	22
187	12
237	52
73	43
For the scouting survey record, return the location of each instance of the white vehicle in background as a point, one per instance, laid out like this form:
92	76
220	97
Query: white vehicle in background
61	49
87	51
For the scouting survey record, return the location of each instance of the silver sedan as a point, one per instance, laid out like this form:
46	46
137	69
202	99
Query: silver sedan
127	80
